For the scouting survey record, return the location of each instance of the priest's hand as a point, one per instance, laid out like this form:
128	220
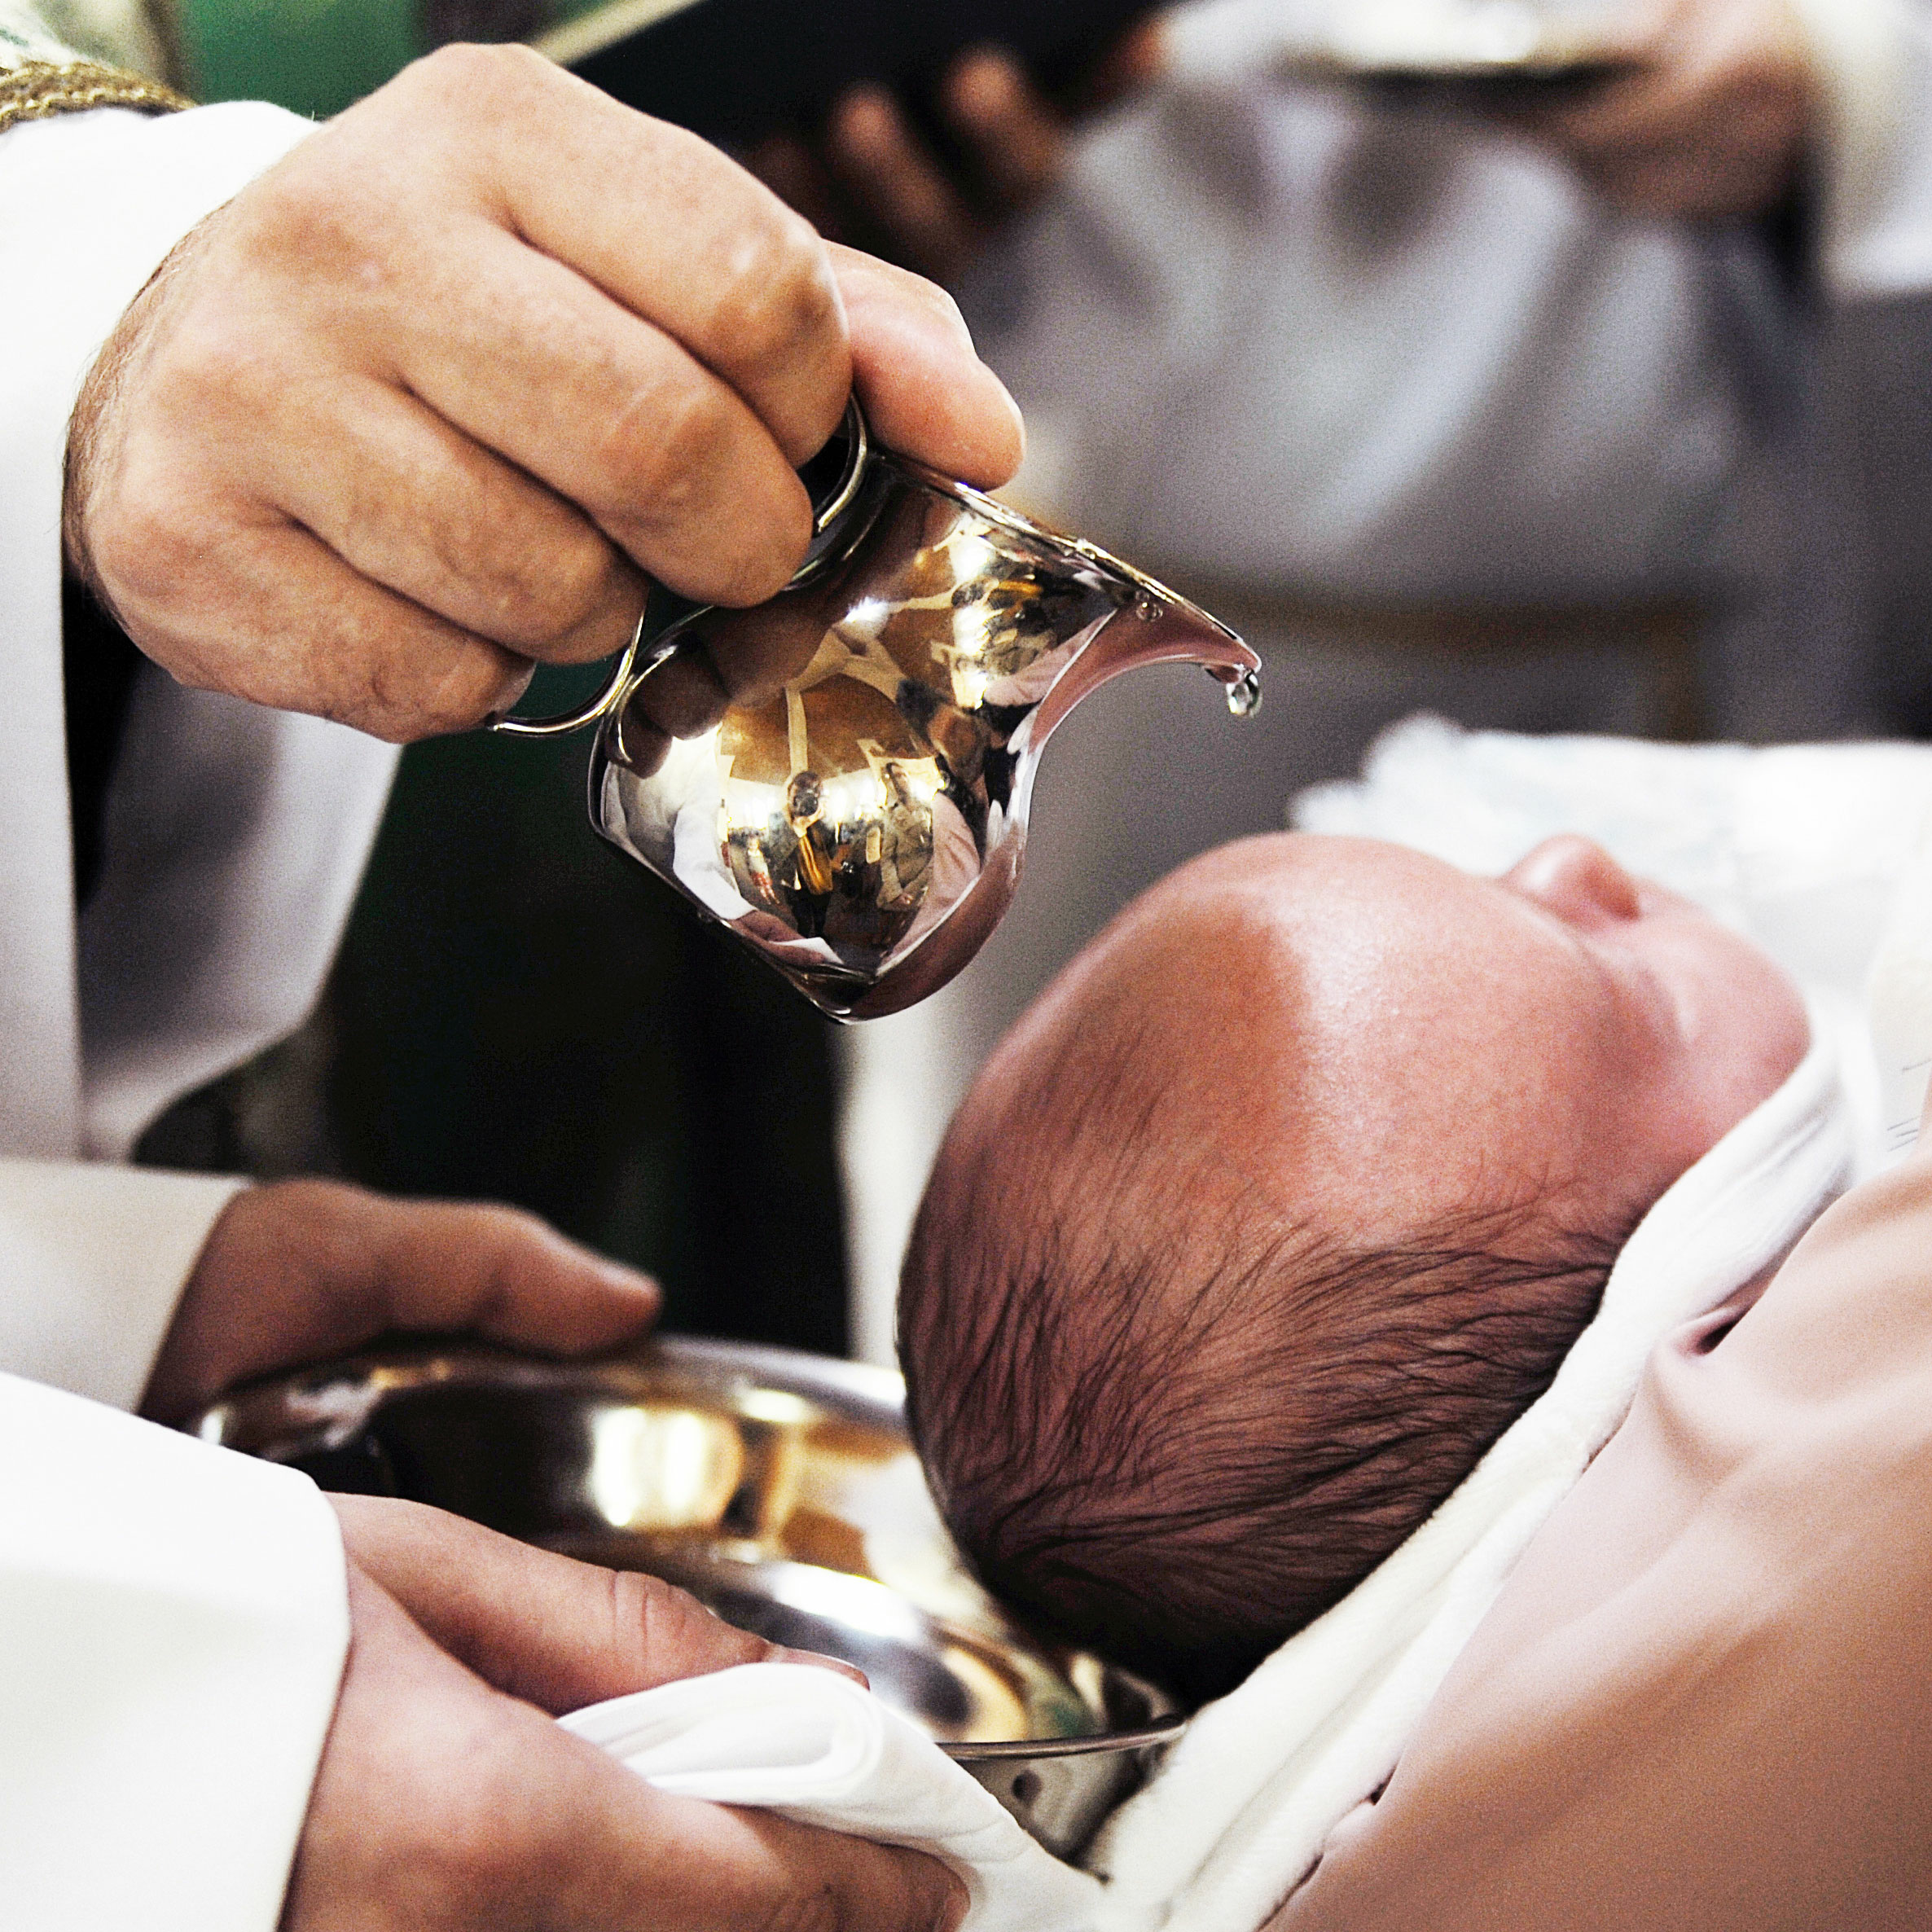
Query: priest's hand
447	1800
1711	121
297	1270
430	399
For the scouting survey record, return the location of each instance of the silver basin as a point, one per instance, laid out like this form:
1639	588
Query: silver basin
779	1487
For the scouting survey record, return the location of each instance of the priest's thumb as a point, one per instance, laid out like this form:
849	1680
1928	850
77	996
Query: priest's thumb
545	1628
297	1270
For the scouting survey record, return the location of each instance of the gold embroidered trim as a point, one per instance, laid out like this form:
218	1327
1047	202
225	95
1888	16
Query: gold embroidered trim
36	89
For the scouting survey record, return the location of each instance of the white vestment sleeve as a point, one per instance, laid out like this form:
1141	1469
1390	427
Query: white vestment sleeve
92	1258
234	835
90	206
174	1622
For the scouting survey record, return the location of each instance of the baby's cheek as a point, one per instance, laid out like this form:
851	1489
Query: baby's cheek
1751	1031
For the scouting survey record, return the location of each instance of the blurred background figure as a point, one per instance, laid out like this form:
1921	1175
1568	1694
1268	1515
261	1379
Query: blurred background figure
1553	367
1549	368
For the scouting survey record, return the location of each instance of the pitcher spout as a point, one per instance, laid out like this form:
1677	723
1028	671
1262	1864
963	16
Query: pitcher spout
1156	625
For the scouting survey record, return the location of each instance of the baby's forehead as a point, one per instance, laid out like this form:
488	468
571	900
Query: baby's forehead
1348	1024
1296	891
1296	926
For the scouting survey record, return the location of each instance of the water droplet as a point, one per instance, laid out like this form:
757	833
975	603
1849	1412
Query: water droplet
1244	694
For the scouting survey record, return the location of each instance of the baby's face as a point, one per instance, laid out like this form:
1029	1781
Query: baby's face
1382	1039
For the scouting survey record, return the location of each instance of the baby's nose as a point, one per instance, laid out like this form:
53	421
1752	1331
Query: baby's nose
1576	879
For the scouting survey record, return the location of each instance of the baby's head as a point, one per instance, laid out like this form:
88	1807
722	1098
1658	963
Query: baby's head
1284	1199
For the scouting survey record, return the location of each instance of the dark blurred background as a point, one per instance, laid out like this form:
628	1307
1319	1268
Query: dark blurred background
520	1013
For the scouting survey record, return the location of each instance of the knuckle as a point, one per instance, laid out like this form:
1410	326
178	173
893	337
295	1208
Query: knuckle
531	587
501	1215
295	221
563	586
665	454
660	1629
512	1232
470	74
169	563
777	299
475	682
697	501
137	547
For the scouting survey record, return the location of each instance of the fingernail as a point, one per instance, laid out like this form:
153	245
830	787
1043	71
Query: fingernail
819	1661
630	1281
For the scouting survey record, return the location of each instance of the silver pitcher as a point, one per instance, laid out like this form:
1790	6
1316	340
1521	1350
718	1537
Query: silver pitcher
861	826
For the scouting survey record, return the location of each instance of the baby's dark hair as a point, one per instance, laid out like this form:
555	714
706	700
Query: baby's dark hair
1164	1424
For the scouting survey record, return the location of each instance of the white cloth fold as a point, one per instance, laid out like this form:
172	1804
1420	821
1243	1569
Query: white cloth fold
1899	994
1241	1809
815	1747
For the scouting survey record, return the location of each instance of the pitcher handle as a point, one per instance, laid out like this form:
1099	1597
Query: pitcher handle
858	453
563	722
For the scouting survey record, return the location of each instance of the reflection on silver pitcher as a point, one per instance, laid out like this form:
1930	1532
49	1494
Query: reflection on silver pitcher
861	825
